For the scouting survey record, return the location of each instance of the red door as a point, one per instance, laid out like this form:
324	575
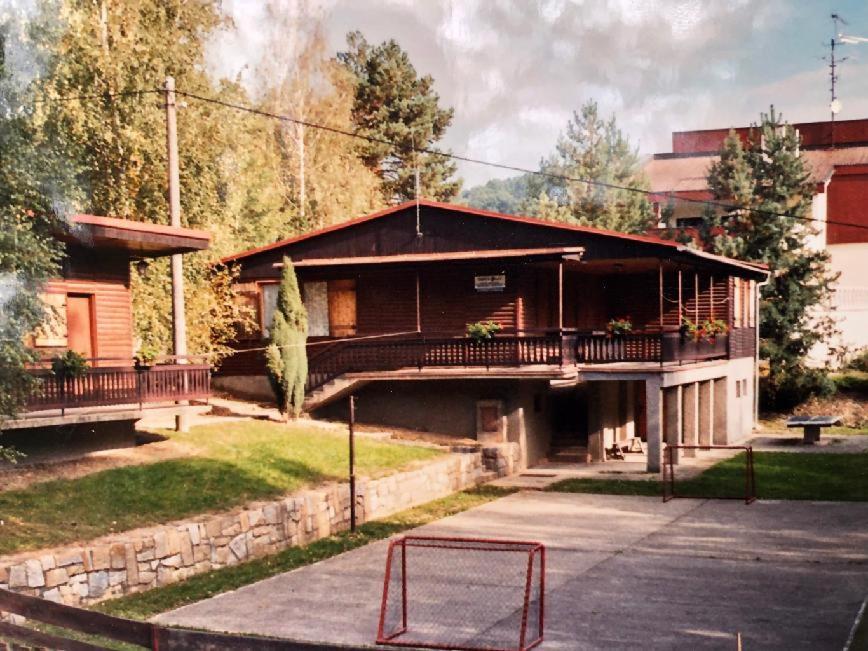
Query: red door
79	324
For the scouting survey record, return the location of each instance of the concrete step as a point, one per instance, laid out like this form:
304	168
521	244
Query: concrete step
569	454
330	391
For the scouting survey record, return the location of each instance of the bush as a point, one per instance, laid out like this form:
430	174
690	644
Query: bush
794	385
859	361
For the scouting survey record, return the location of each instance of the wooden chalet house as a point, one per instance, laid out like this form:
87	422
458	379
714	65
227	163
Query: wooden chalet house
390	297
90	312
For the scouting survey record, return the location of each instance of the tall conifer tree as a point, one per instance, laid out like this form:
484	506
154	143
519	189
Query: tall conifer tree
286	355
395	105
764	176
593	148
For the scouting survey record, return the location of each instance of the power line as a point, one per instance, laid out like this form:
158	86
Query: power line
466	159
106	95
513	168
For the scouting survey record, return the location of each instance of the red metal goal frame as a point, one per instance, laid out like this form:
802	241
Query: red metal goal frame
668	478
533	548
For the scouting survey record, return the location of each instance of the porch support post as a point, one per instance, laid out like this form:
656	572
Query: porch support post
660	292
418	303
654	424
690	414
680	292
561	297
672	418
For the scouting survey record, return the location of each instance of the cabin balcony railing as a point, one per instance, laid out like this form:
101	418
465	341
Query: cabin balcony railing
425	352
106	386
664	347
550	349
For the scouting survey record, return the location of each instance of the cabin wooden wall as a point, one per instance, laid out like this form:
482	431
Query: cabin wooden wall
106	277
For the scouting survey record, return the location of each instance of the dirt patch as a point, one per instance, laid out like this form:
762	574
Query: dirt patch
24	474
853	410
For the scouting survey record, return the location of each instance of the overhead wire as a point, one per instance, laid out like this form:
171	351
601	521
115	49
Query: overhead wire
726	207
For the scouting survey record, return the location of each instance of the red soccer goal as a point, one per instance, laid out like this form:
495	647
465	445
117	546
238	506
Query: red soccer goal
463	593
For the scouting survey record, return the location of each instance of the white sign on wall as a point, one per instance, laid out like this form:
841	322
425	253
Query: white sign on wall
492	283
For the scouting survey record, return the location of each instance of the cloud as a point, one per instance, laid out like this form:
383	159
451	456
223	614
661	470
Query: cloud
515	70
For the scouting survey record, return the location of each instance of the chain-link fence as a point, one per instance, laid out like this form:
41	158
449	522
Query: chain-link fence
465	594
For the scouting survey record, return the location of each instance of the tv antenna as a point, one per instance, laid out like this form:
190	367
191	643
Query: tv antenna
838	39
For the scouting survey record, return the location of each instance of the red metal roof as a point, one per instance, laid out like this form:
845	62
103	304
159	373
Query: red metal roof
454	208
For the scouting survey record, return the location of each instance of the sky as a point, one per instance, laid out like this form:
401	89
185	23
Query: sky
515	70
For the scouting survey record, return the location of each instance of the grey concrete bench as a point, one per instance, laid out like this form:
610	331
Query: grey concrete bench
811	426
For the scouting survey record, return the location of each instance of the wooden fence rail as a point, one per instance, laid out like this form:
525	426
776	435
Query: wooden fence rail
119	385
142	634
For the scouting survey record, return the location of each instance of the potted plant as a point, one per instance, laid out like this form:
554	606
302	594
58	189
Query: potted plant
146	357
483	331
713	327
619	326
70	365
688	329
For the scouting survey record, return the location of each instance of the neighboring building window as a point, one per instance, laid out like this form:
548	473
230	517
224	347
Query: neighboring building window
738	388
269	304
688	222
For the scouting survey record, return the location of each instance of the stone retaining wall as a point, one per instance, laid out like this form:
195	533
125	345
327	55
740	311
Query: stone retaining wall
146	558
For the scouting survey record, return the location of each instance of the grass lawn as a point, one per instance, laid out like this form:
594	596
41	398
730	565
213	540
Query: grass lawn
779	475
147	604
233	463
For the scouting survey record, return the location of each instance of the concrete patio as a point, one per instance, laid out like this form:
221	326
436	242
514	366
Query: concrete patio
623	572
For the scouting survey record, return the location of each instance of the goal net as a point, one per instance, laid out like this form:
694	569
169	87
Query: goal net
734	478
462	593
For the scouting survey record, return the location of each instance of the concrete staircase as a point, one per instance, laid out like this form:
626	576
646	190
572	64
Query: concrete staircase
330	391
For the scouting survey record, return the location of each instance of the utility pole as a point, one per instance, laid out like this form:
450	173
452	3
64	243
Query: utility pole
179	319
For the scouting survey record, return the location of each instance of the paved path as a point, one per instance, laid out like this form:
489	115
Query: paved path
623	572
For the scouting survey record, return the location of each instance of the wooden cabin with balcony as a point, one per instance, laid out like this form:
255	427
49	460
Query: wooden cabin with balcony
89	311
390	297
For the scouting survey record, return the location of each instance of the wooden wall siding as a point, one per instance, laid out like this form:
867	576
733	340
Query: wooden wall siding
386	302
107	278
742	342
450	302
444	231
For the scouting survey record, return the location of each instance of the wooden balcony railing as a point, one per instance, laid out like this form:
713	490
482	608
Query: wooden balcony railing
424	352
104	386
328	362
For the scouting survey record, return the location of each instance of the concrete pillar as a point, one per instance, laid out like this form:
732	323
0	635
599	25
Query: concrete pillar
630	408
706	411
672	418
721	433
690	416
522	437
595	423
654	427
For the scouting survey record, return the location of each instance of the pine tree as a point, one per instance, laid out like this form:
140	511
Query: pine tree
395	105
286	355
595	149
767	175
